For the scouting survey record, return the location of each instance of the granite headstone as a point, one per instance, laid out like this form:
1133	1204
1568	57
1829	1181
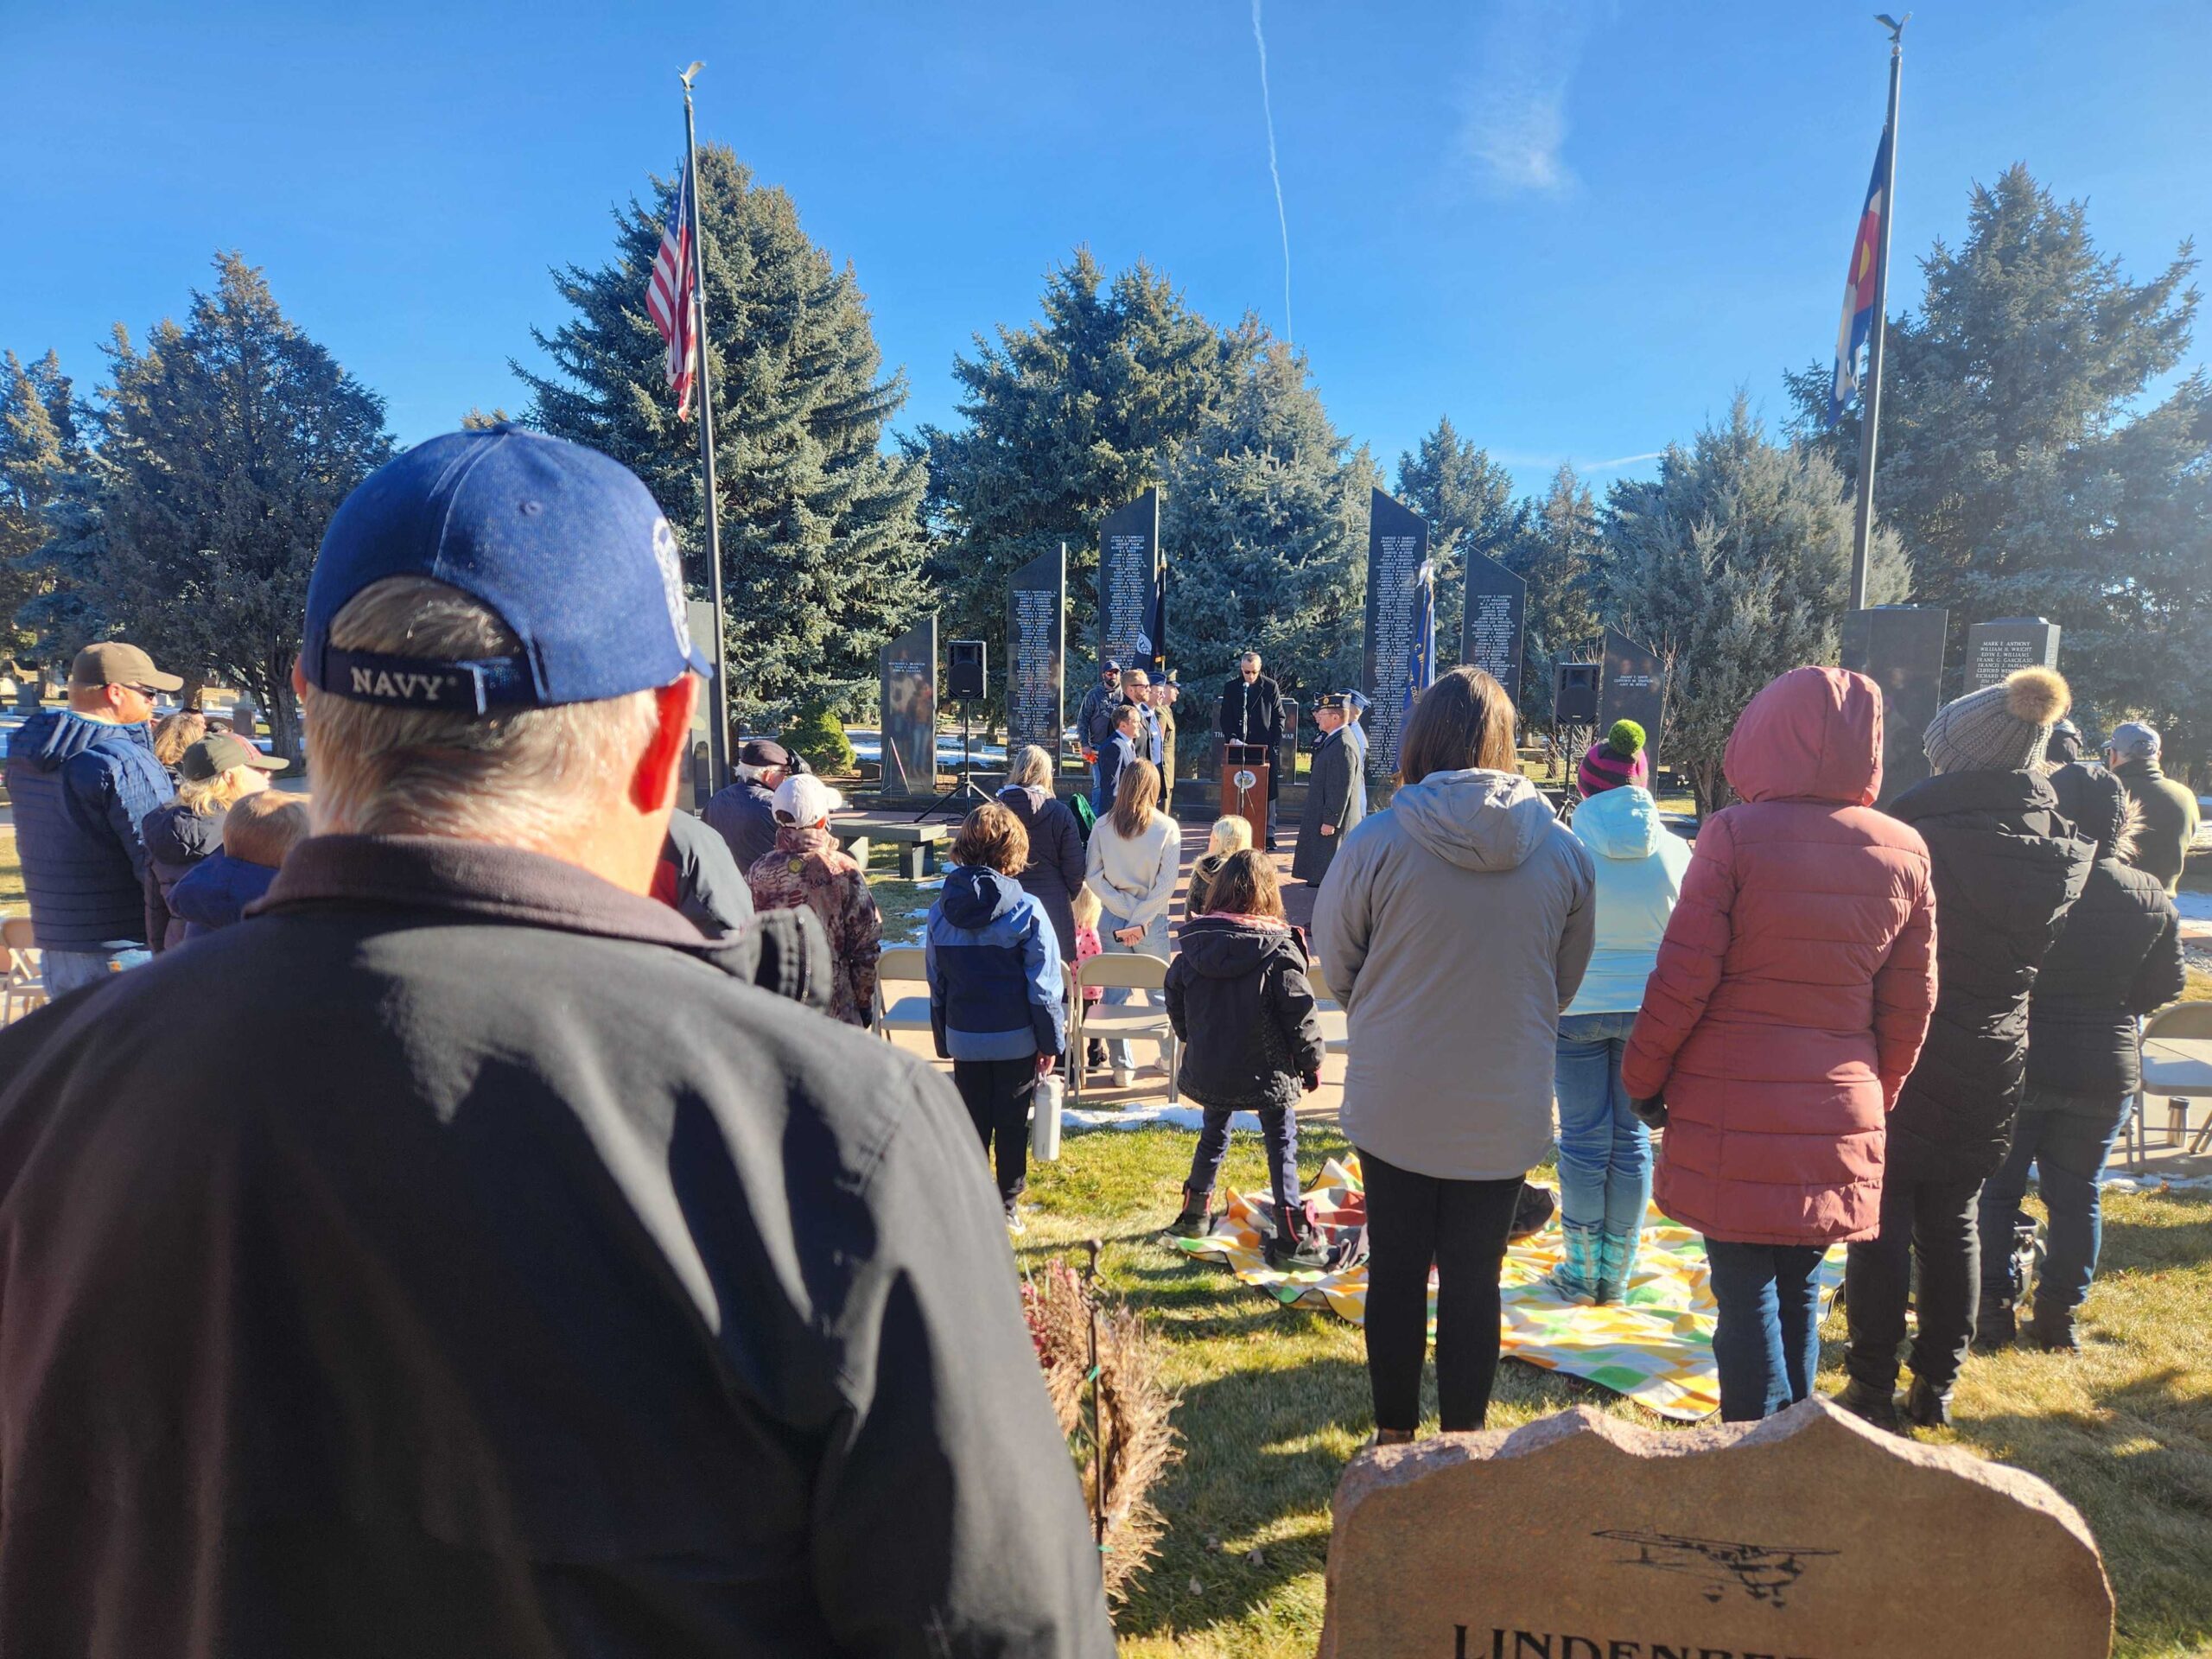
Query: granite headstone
1996	649
1397	548
1634	687
1900	648
1036	613
1494	629
1130	584
1808	1536
909	734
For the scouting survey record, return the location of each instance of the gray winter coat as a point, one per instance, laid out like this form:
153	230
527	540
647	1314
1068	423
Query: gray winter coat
1454	927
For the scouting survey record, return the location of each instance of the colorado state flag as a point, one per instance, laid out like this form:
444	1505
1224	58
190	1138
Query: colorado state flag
1851	335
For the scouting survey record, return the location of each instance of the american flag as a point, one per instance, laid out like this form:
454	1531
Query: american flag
668	296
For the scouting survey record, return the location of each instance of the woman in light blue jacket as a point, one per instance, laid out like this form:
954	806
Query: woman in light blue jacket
1604	1153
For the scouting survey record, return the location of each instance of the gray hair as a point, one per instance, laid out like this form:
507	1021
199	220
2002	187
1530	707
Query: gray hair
1251	657
1032	768
527	777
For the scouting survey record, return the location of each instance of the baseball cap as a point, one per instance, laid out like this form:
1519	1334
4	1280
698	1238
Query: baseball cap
113	662
211	757
567	545
2134	740
1110	666
759	751
805	799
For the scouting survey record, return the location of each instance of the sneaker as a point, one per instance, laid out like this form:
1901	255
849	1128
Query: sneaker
1124	1076
1015	1223
1870	1404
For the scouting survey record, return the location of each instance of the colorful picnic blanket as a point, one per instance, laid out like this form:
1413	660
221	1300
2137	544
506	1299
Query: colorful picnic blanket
1656	1347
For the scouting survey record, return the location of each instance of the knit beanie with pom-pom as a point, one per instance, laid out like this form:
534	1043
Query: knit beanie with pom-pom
2001	728
1620	759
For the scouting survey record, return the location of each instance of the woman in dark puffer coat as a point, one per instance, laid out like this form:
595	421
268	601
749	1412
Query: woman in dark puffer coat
1056	857
1790	996
2119	958
2008	868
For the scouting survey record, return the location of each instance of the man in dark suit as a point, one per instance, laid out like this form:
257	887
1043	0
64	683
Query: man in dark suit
1251	713
1336	793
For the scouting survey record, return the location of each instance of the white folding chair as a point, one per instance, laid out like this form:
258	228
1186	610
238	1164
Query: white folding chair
906	965
24	988
2177	1064
1328	1013
1132	1021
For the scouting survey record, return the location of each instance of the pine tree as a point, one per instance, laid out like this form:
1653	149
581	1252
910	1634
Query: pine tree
1557	550
224	449
1265	522
1064	420
1733	565
821	540
2032	467
1467	500
41	449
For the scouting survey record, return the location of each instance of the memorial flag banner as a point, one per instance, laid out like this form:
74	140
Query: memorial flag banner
1859	291
1421	662
668	296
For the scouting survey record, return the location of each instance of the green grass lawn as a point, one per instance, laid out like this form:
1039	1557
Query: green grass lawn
1274	1404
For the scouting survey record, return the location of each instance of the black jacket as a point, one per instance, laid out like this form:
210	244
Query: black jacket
1238	998
744	814
2006	870
704	881
546	1285
1056	856
2120	957
176	838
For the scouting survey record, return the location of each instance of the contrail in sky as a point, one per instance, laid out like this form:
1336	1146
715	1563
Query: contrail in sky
1267	104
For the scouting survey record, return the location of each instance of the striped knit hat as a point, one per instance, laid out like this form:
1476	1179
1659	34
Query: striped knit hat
1620	759
2001	728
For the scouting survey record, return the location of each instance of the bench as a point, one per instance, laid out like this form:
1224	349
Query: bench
917	842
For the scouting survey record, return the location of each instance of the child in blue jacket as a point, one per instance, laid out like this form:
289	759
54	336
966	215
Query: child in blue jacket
997	998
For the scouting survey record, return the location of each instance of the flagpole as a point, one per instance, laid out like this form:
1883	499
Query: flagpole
719	732
1870	403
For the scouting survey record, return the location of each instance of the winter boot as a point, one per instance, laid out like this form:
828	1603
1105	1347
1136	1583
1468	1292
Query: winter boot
1296	1249
1615	1264
1575	1279
1926	1406
1094	1054
1996	1326
1873	1405
1194	1221
2051	1327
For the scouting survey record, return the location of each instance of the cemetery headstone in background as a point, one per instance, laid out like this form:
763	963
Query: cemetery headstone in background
1493	631
1397	547
1036	613
1634	687
1809	1535
909	735
2006	646
1129	584
1900	648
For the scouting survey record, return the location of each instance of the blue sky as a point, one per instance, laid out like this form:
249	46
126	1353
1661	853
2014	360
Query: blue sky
1577	227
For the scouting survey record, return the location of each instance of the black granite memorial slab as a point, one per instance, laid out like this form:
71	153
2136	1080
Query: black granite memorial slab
1397	548
1129	584
1634	687
910	710
1494	630
1900	648
2010	643
1036	621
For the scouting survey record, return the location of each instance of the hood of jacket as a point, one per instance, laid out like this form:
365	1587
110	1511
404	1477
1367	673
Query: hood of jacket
1997	792
1221	948
1622	823
1813	734
53	735
1479	820
175	834
974	897
215	892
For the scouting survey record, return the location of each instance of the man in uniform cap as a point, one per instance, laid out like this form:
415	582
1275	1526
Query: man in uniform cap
1336	793
81	781
499	1267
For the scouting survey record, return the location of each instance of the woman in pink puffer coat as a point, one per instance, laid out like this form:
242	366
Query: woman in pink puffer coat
1791	994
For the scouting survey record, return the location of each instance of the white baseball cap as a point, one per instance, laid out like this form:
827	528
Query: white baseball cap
804	799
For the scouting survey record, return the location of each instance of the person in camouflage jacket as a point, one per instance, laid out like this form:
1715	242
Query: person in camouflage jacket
808	868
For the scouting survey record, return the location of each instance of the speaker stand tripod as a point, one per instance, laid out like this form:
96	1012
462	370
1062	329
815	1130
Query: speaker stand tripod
964	789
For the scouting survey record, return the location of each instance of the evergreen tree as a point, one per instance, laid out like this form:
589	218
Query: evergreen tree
1467	500
1558	552
1265	521
224	449
2031	465
41	449
820	539
1733	565
1064	420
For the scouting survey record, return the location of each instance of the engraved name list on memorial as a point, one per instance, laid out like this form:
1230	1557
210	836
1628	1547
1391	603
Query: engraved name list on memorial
1398	563
1491	637
1128	591
1032	710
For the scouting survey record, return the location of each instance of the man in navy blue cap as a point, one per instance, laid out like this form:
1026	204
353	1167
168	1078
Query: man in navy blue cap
549	1284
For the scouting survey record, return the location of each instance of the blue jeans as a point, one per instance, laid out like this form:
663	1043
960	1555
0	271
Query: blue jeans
1605	1154
1767	1340
1279	1127
65	970
1154	943
2066	1139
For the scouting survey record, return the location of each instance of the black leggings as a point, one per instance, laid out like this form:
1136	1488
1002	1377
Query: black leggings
996	1093
1461	1228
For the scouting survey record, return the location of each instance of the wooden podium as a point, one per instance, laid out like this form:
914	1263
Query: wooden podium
1244	786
